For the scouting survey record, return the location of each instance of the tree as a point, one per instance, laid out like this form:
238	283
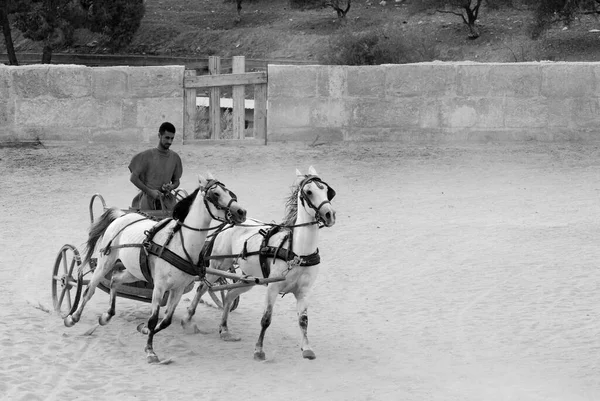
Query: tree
53	22
549	12
6	32
340	8
469	12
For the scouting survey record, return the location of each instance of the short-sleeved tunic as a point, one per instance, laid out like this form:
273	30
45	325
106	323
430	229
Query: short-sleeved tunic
155	168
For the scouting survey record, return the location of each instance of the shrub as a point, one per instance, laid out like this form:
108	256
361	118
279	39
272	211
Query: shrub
117	20
385	46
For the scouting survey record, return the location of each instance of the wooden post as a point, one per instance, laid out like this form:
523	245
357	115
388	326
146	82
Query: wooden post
239	106
260	112
214	106
190	113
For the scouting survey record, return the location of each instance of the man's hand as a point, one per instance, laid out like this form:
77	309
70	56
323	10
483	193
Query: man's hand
153	193
167	188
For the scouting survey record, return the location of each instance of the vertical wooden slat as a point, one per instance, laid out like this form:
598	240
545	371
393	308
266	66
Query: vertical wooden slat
189	108
214	108
239	108
260	112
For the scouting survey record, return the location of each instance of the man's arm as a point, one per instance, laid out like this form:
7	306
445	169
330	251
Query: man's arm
135	180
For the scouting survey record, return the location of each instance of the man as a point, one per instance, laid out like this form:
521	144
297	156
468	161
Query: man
156	172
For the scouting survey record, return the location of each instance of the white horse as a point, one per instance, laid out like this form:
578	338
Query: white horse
173	245
252	247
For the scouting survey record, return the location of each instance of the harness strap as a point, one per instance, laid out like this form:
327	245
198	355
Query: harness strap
172	258
106	250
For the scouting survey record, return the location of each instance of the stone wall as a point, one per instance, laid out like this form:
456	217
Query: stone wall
432	102
72	102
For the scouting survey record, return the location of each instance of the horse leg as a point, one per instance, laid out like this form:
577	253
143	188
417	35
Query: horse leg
154	326
104	265
119	277
191	310
224	332
302	308
149	327
265	322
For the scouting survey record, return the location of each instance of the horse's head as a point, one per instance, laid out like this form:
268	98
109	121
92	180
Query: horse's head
220	202
315	196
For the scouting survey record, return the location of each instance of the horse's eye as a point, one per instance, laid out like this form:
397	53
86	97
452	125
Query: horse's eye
309	192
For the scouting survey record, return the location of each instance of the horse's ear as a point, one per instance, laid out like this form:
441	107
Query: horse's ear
209	176
298	173
202	180
312	171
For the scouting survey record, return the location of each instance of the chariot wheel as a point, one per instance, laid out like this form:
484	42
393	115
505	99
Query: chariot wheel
92	207
218	297
67	280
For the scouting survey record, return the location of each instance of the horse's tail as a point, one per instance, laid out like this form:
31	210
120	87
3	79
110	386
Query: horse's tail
98	228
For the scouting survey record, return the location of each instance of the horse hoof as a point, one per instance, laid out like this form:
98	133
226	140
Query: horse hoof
227	336
142	328
259	356
68	321
308	354
104	319
152	359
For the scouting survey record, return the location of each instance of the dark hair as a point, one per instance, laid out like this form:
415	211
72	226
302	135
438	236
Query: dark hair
166	127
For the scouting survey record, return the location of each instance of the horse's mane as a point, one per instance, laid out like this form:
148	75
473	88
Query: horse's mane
291	207
182	208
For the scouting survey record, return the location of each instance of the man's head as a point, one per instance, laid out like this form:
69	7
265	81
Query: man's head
166	133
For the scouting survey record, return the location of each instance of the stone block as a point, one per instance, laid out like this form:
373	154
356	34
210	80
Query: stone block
69	81
389	113
560	112
499	80
466	112
151	113
7	112
158	82
31	81
430	113
525	113
108	114
51	133
331	113
47	112
410	80
306	134
5	81
332	82
586	113
289	113
134	135
366	82
293	81
129	112
109	82
568	80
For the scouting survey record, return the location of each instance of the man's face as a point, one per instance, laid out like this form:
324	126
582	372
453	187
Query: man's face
165	140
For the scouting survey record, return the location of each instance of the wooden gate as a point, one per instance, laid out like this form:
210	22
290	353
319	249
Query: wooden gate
215	81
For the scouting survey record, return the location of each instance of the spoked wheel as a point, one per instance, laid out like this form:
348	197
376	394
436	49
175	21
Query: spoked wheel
218	297
67	280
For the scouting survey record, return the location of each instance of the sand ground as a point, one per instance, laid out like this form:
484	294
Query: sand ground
454	272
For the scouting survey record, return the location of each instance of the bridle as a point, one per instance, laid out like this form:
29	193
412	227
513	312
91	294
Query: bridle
213	200
304	198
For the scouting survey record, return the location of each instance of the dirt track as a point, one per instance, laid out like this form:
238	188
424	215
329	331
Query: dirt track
452	273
